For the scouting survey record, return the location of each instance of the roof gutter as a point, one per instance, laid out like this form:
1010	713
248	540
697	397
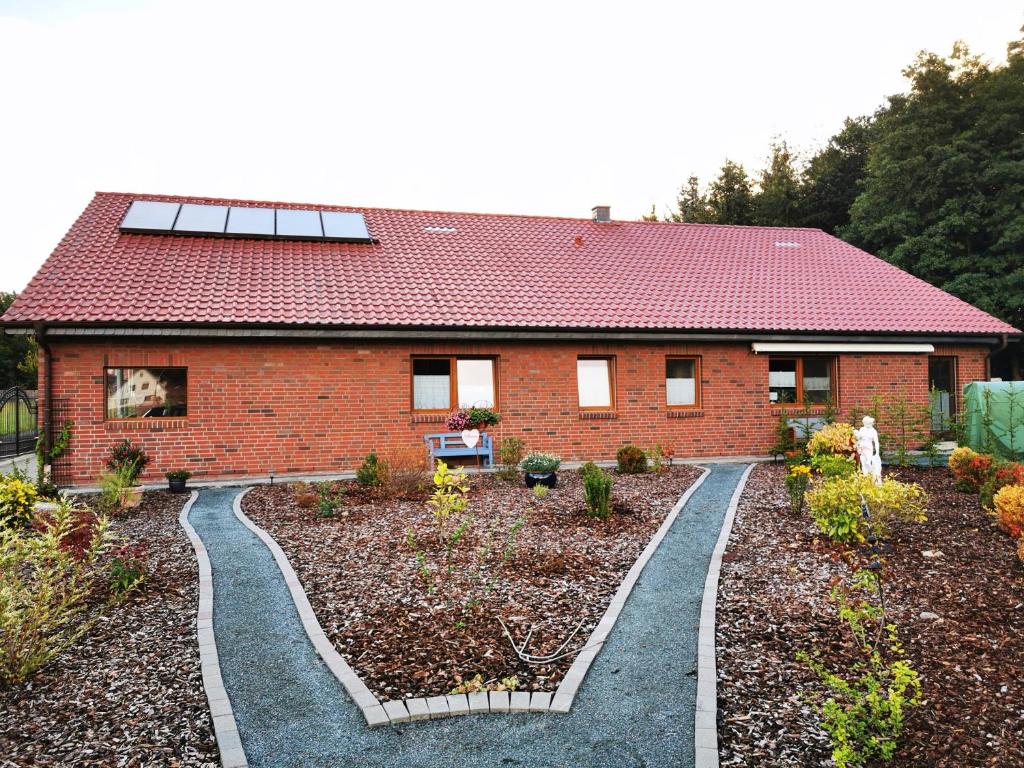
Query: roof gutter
495	334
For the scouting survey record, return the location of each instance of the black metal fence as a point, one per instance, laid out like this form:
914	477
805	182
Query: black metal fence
60	468
18	423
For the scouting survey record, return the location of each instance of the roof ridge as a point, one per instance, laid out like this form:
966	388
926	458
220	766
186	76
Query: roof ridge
484	214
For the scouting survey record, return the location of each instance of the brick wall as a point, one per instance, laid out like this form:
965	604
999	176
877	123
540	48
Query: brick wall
320	407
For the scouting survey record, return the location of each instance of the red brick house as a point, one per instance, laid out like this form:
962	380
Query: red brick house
234	338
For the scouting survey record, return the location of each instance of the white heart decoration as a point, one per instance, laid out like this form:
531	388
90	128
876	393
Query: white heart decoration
471	437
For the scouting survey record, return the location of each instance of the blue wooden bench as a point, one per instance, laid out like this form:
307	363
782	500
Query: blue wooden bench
443	444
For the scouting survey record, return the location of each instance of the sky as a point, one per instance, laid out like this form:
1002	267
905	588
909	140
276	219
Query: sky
530	107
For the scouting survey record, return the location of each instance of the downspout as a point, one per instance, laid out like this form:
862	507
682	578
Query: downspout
1004	341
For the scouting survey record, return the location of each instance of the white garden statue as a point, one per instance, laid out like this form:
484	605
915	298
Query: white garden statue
868	450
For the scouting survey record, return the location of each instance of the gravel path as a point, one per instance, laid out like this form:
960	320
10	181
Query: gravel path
635	707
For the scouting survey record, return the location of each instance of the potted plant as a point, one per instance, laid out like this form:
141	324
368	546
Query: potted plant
540	469
127	461
176	480
472	418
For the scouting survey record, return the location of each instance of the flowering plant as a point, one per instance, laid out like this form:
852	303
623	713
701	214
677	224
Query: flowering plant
468	418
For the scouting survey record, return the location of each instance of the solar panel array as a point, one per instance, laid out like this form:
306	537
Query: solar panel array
153	217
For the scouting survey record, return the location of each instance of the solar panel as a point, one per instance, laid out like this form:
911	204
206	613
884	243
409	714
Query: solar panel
150	216
345	225
156	217
208	219
258	222
298	223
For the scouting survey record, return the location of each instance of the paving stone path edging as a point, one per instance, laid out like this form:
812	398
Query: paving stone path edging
225	729
705	735
635	709
498	702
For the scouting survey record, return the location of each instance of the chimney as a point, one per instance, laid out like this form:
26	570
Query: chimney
602	214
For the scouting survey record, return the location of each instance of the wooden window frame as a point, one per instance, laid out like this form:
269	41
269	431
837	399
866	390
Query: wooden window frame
697	388
611	384
143	419
453	381
833	380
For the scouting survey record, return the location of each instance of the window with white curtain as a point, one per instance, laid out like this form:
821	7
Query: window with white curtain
594	382
681	382
437	382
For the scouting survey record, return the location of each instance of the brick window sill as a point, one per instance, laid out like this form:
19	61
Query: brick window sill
685	413
796	411
145	425
429	418
598	415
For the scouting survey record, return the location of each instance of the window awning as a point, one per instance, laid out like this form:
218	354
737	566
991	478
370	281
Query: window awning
761	347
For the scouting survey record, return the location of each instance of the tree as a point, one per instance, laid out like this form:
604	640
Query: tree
730	198
832	179
17	354
692	204
777	201
943	194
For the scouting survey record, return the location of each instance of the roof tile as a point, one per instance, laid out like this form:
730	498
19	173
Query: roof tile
500	271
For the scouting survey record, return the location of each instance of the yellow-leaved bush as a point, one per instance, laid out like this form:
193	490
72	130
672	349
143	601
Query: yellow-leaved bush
835	505
17	497
1009	506
832	438
51	589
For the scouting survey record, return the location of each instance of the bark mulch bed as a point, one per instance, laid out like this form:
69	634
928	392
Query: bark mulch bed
130	693
773	601
403	639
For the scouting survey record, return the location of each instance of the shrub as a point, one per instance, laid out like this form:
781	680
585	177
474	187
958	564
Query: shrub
1001	474
127	569
540	463
784	440
127	457
405	471
657	457
370	472
17	497
1009	504
631	460
865	706
597	490
833	465
305	497
48	595
112	486
834	504
836	439
796	486
970	469
178	474
328	500
540	491
510	453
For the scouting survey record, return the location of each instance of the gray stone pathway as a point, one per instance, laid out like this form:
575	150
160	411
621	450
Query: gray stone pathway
635	707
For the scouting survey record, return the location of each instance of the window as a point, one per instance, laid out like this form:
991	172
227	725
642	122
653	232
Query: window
800	380
134	393
437	382
682	382
595	382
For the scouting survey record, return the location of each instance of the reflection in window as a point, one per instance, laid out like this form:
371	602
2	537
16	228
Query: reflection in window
134	393
475	383
800	380
593	378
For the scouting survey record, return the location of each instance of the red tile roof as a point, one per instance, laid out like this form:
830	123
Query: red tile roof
492	271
